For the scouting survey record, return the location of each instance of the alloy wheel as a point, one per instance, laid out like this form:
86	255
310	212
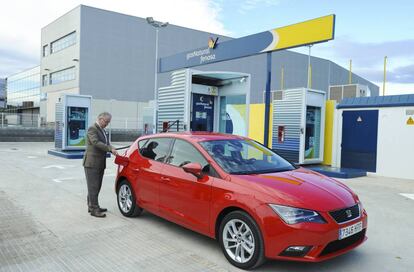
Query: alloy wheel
238	241
125	198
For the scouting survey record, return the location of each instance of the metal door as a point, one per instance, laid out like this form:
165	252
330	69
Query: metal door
359	139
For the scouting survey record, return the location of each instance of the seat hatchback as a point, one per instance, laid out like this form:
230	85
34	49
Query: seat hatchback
233	189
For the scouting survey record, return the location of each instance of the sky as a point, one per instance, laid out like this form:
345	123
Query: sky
365	31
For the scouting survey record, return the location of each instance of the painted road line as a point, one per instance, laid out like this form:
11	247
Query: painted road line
61	179
31	157
410	196
58	166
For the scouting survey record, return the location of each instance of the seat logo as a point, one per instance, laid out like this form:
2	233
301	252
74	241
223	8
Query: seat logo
348	213
212	43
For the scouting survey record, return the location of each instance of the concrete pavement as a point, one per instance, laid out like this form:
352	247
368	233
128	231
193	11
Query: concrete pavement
44	225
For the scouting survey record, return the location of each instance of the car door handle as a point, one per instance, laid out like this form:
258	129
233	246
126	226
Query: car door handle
135	170
165	179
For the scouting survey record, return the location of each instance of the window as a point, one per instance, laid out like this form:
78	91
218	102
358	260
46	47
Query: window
156	149
142	143
23	89
45	50
43	96
242	157
63	42
183	153
63	75
44	80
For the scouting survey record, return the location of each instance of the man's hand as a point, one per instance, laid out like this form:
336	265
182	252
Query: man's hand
114	152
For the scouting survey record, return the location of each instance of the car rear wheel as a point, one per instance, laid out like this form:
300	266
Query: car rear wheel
241	240
126	200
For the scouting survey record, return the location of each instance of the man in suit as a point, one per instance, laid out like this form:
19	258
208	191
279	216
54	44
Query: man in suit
94	161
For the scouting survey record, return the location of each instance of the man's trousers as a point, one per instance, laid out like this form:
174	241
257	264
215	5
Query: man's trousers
94	178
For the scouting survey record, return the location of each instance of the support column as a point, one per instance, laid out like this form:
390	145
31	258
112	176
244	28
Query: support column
267	99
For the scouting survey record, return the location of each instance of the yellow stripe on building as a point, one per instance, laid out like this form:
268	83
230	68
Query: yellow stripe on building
329	123
256	123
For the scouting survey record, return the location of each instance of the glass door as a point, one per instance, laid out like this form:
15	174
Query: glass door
313	133
233	115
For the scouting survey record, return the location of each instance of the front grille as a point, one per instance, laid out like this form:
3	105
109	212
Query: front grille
346	214
341	244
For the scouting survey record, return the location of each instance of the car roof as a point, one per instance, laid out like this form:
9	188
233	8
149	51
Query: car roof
196	136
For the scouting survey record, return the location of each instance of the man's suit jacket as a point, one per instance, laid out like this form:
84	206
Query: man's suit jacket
96	148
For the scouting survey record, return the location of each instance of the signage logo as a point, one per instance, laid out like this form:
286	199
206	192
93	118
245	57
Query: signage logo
204	54
348	213
212	90
212	43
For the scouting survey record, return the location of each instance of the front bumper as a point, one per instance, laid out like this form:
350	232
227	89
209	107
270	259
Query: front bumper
322	238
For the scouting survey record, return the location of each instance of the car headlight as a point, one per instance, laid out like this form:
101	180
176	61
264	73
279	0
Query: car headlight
358	201
295	215
361	208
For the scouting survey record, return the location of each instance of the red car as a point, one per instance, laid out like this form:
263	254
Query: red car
231	188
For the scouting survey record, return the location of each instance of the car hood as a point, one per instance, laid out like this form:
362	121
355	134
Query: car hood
301	188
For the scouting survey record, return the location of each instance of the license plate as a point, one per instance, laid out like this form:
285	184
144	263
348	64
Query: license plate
350	230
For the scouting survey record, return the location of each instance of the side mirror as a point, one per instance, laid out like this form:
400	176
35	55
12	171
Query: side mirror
193	168
121	160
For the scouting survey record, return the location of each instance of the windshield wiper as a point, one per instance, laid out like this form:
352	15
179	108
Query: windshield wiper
276	170
261	171
242	173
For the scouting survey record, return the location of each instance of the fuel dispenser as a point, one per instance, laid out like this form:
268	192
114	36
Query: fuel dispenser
73	117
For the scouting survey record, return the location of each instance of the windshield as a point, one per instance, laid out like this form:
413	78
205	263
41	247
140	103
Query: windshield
238	156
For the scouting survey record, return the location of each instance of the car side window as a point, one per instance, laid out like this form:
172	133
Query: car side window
184	152
155	149
142	143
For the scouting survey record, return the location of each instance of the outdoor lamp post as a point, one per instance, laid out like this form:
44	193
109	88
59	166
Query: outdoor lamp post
157	25
309	85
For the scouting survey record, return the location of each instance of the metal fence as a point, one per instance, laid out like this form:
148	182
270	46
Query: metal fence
27	120
126	123
21	120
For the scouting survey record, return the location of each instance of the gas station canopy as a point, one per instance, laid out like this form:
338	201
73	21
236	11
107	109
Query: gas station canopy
309	32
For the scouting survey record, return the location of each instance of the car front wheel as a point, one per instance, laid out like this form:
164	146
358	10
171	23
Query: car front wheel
241	240
126	200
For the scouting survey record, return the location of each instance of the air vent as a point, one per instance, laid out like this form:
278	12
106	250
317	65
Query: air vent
335	93
350	91
340	92
274	95
278	95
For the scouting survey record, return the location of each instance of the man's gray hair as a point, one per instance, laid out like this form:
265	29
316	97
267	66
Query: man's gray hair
104	114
